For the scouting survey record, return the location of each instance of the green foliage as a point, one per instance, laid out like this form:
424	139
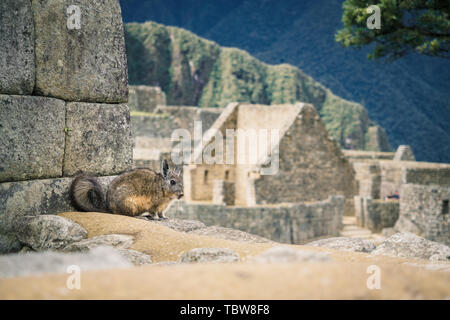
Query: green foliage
204	74
421	26
151	43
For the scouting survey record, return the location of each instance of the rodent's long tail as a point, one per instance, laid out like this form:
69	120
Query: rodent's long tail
87	194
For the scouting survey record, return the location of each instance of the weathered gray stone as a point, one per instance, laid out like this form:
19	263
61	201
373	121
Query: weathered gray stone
293	223
31	137
166	119
404	153
16	47
287	254
145	98
135	257
229	234
379	214
387	232
80	64
98	139
181	225
345	244
9	244
114	240
35	197
223	192
408	245
36	263
200	255
424	210
48	232
404	224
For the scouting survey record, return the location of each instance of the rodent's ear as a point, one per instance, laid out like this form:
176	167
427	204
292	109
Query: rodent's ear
177	171
164	168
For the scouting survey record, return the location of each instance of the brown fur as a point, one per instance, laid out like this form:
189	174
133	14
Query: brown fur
132	193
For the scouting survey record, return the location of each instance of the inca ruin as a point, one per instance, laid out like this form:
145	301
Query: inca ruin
276	173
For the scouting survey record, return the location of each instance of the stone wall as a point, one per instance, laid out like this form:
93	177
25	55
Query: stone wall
379	178
61	101
376	139
424	210
289	223
422	187
358	155
368	177
164	120
145	98
200	185
80	62
439	174
404	153
152	131
312	166
376	214
223	192
17	60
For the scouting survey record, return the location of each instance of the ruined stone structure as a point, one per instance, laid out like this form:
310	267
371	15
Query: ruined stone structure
311	166
424	210
376	139
293	223
145	98
152	131
422	188
61	102
404	153
376	214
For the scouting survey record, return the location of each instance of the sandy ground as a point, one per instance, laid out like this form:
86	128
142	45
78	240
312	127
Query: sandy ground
345	277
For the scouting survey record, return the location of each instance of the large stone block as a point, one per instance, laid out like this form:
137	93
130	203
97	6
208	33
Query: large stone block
98	139
80	50
32	198
31	137
48	232
16	47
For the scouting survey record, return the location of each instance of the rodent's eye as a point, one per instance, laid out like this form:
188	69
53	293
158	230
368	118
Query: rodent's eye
173	182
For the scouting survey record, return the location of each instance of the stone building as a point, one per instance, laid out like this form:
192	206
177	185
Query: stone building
422	188
152	131
311	165
145	98
61	103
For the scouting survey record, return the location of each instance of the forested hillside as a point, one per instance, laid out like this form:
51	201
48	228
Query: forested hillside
195	71
410	98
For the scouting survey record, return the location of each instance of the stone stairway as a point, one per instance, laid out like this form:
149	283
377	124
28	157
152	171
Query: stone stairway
351	230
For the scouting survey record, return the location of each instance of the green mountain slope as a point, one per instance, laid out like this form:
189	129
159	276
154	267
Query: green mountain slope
410	98
195	71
